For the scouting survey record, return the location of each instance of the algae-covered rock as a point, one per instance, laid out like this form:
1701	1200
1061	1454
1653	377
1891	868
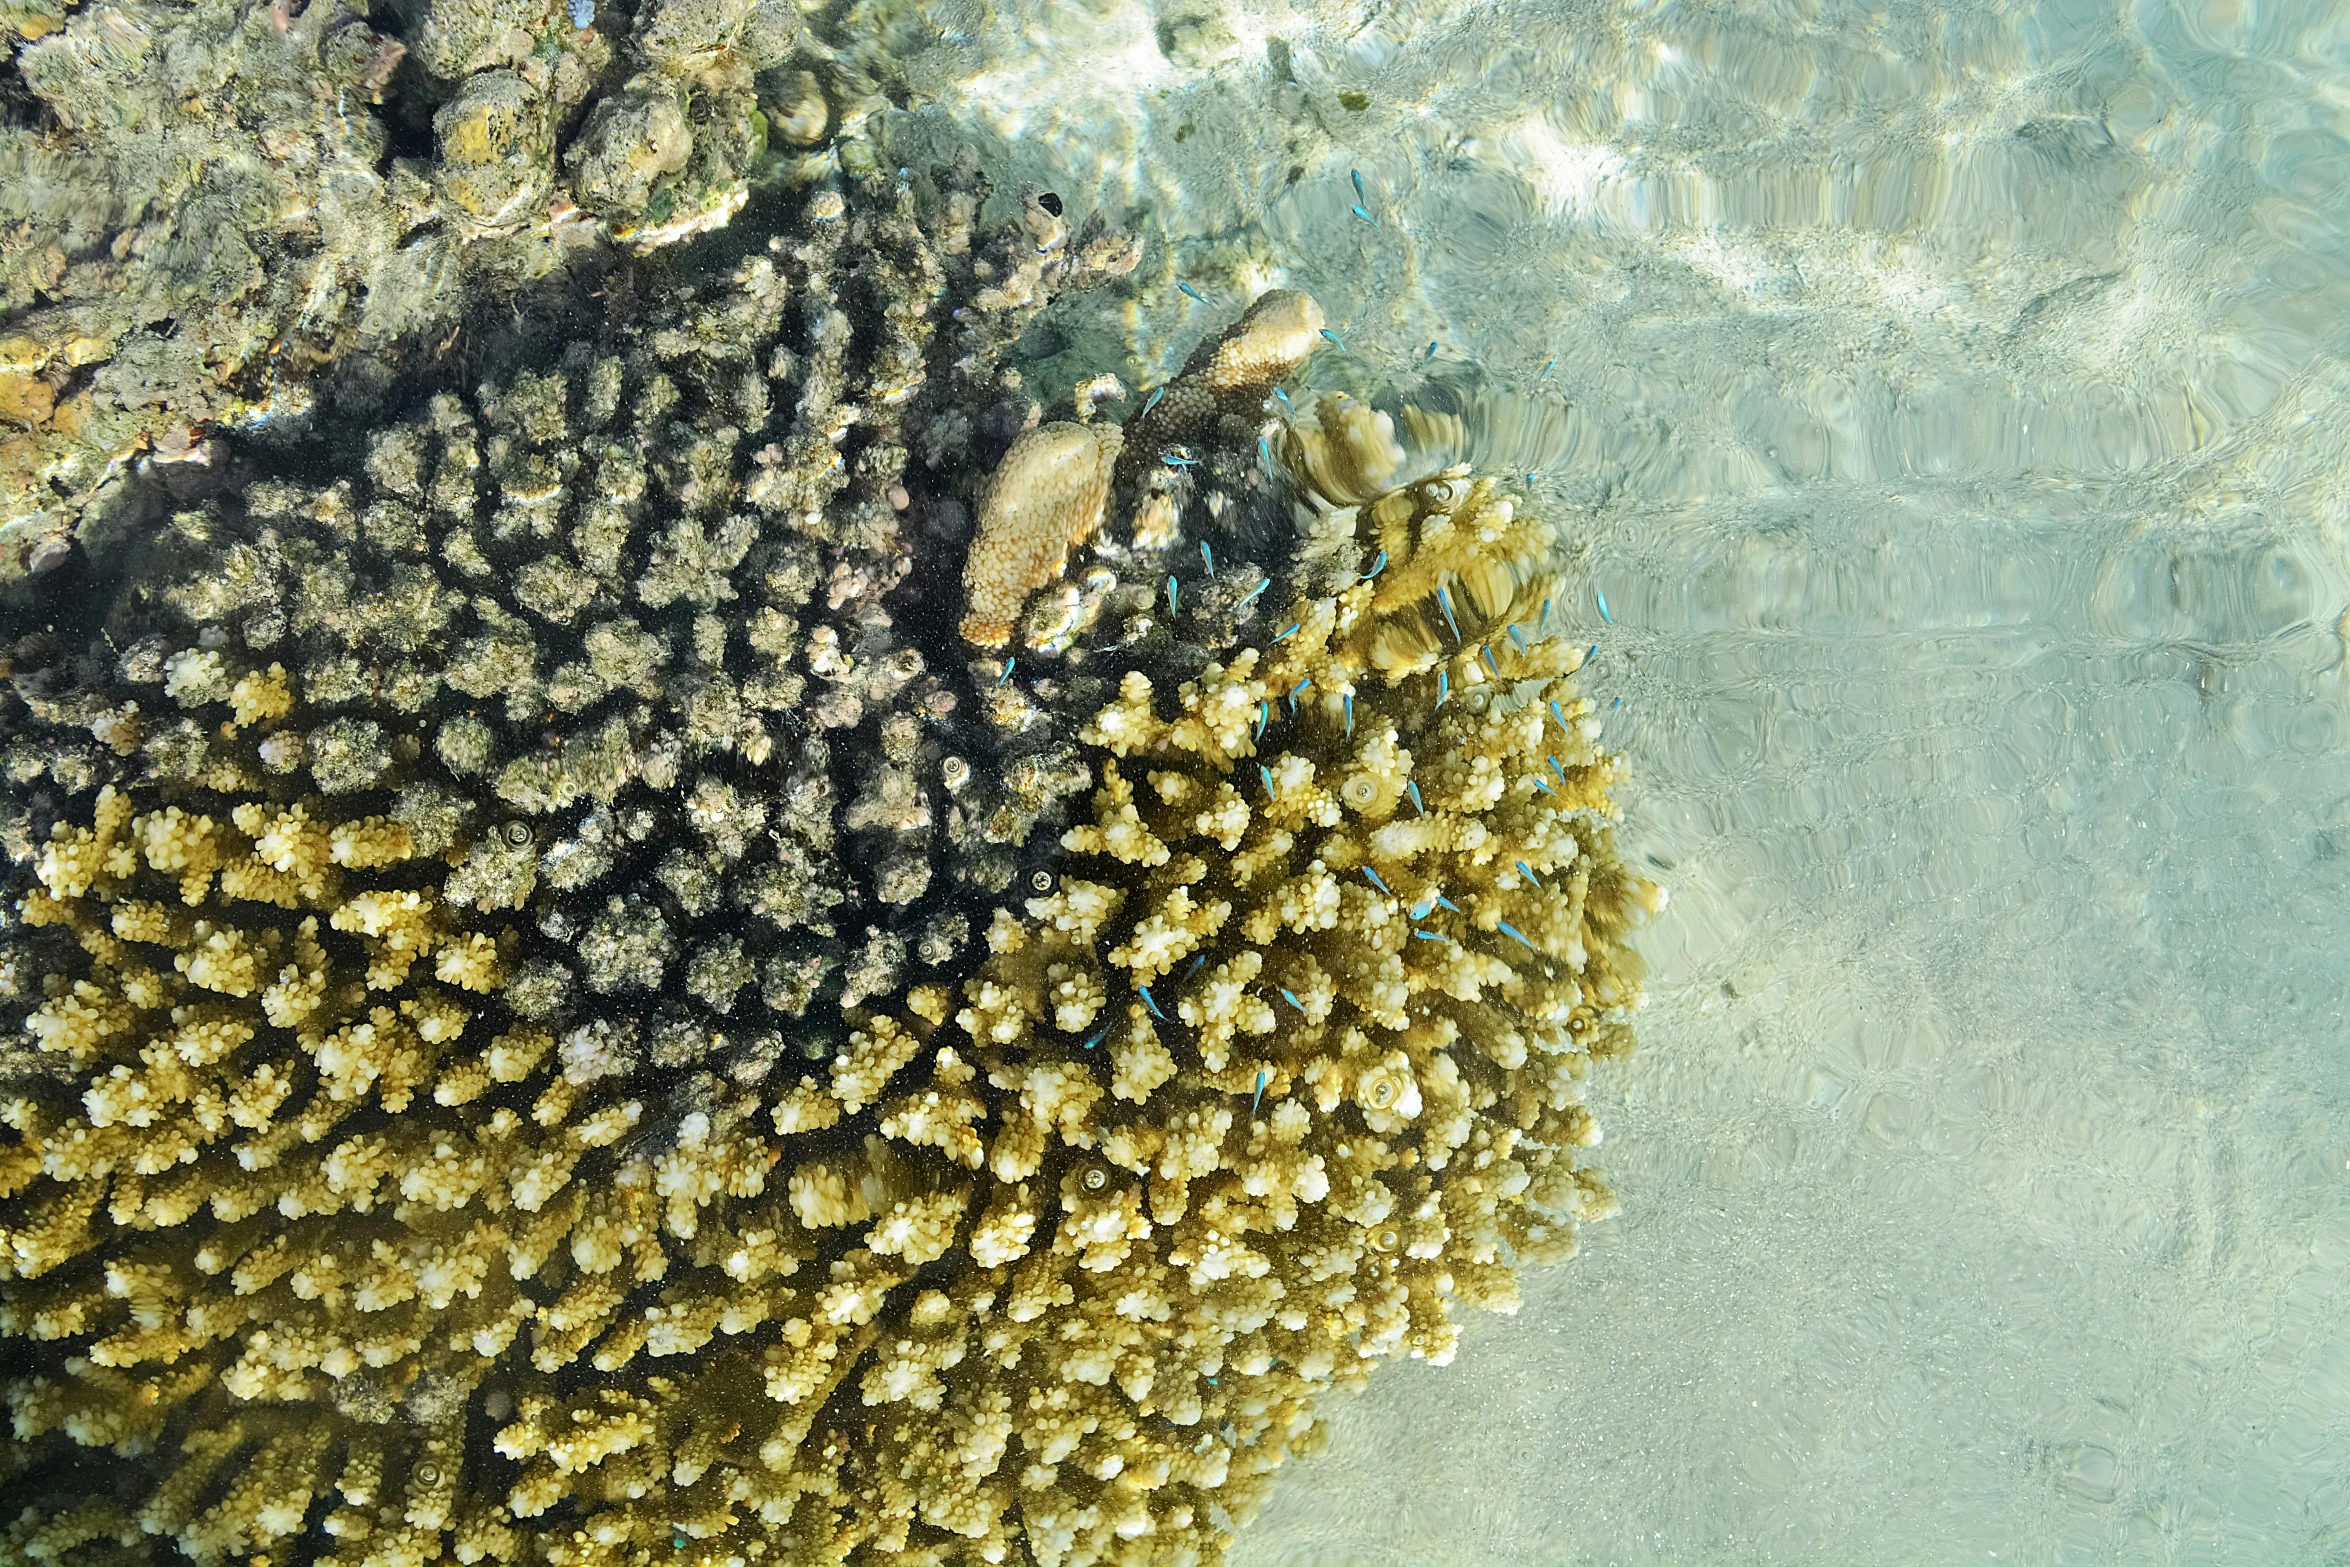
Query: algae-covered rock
632	139
493	141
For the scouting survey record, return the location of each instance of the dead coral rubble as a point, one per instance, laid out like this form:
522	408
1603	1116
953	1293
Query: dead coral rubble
210	217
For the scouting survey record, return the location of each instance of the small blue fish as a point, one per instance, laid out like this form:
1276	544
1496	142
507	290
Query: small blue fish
1444	902
1097	1038
1266	773
1250	596
1431	353
1545	788
1264	719
1290	996
1291	632
1265	450
1195	967
1296	690
1262	1075
1618	702
1561	717
1357	176
1542	626
1546	370
1152	401
1377	566
583	13
1349	700
1170	593
1333	336
1193	292
1429	935
1600	594
1518	640
1554	767
1489	663
1365	216
1592	654
1511	931
1444	600
1284	396
1375	881
1412	788
1007	674
1173	461
1527	871
1426	906
1443	686
1207	555
1152	1004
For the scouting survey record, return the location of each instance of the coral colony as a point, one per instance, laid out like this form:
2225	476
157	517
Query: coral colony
734	948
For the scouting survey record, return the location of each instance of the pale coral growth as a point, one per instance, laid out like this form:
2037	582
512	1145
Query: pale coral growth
400	927
1268	345
261	695
1002	1234
1117	829
222	959
188	847
1076	909
1168	934
1139	1062
196	677
1349	453
370	843
874	1056
1227	376
77	858
919	1229
827	1193
941	1116
470	962
806	1108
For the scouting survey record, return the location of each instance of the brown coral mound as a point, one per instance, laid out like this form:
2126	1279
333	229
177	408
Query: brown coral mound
1047	495
360	1233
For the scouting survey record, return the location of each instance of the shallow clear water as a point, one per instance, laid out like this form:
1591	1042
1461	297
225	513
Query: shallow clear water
1953	413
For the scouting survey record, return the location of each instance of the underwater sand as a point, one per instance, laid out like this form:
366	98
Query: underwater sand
1955	420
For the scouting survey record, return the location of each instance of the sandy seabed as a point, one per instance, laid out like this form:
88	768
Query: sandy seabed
1953	413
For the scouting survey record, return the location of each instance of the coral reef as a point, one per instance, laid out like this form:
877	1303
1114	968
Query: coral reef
562	1023
222	206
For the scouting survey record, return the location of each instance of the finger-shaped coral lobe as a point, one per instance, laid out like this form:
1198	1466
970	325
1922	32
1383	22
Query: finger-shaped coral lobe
1048	494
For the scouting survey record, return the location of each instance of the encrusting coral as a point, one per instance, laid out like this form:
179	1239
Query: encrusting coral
507	1072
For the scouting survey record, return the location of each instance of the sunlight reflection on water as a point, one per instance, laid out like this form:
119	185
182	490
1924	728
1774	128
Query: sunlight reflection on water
1953	410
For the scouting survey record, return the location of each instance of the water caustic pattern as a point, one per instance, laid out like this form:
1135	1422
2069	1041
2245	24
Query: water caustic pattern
1990	1201
1958	400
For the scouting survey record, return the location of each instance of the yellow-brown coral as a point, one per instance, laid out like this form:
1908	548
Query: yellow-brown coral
381	1267
1046	495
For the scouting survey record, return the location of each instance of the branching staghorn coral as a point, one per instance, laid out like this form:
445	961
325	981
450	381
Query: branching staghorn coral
509	1206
